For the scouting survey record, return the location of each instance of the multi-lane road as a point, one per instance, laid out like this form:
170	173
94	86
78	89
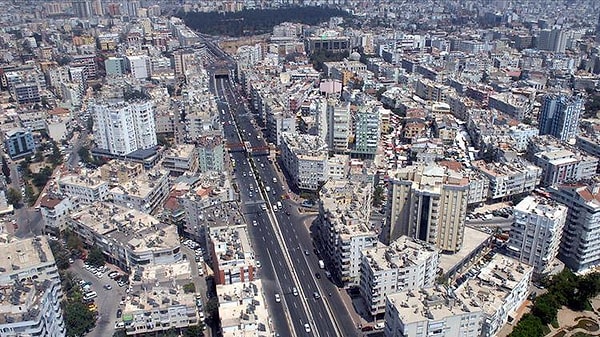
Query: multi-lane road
281	238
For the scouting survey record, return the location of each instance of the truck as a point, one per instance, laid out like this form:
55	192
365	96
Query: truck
321	264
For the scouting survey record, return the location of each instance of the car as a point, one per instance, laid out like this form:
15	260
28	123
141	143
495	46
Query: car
316	295
121	283
254	223
318	276
306	327
295	291
107	287
306	252
119	313
277	298
112	274
258	265
119	325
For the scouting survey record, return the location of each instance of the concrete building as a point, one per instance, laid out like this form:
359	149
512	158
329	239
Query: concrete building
367	131
139	66
242	309
117	172
536	232
211	153
581	238
508	179
122	128
561	165
114	66
304	158
19	143
180	159
55	212
127	237
479	307
338	126
145	193
84	188
233	260
559	116
336	44
429	203
343	231
32	293
406	264
158	302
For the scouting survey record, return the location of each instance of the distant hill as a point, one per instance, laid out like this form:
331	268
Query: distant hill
255	22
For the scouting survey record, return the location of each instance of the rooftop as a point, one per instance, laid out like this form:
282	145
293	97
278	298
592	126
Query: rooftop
128	226
403	252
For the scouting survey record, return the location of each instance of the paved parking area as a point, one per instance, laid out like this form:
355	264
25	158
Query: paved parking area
107	300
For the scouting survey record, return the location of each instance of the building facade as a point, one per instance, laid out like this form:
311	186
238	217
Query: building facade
580	244
559	116
536	232
32	293
123	128
429	203
406	264
304	157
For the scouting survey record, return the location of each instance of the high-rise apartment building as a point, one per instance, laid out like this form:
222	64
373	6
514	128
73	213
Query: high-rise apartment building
536	232
580	246
82	8
338	126
367	130
559	116
403	265
122	128
429	203
31	291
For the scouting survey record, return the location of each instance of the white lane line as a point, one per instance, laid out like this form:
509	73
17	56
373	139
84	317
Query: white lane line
320	315
295	305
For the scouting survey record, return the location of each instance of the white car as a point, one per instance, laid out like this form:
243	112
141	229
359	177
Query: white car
254	223
258	264
277	298
306	327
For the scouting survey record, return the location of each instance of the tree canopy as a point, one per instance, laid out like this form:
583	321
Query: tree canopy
96	257
256	21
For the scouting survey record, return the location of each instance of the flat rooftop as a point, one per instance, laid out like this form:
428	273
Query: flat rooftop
473	240
243	305
128	226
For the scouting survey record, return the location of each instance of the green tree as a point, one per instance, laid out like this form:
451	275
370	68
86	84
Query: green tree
39	156
546	308
380	92
56	157
78	318
13	196
189	288
194	331
529	326
96	257
73	241
212	310
378	196
84	155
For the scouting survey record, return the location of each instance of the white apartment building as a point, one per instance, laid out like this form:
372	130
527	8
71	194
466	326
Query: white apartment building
86	187
305	158
31	301
479	307
508	179
180	159
521	134
54	212
248	298
429	203
338	167
122	128
128	237
580	246
233	259
367	130
338	125
403	265
343	231
562	165
211	153
536	232
145	193
158	302
139	66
